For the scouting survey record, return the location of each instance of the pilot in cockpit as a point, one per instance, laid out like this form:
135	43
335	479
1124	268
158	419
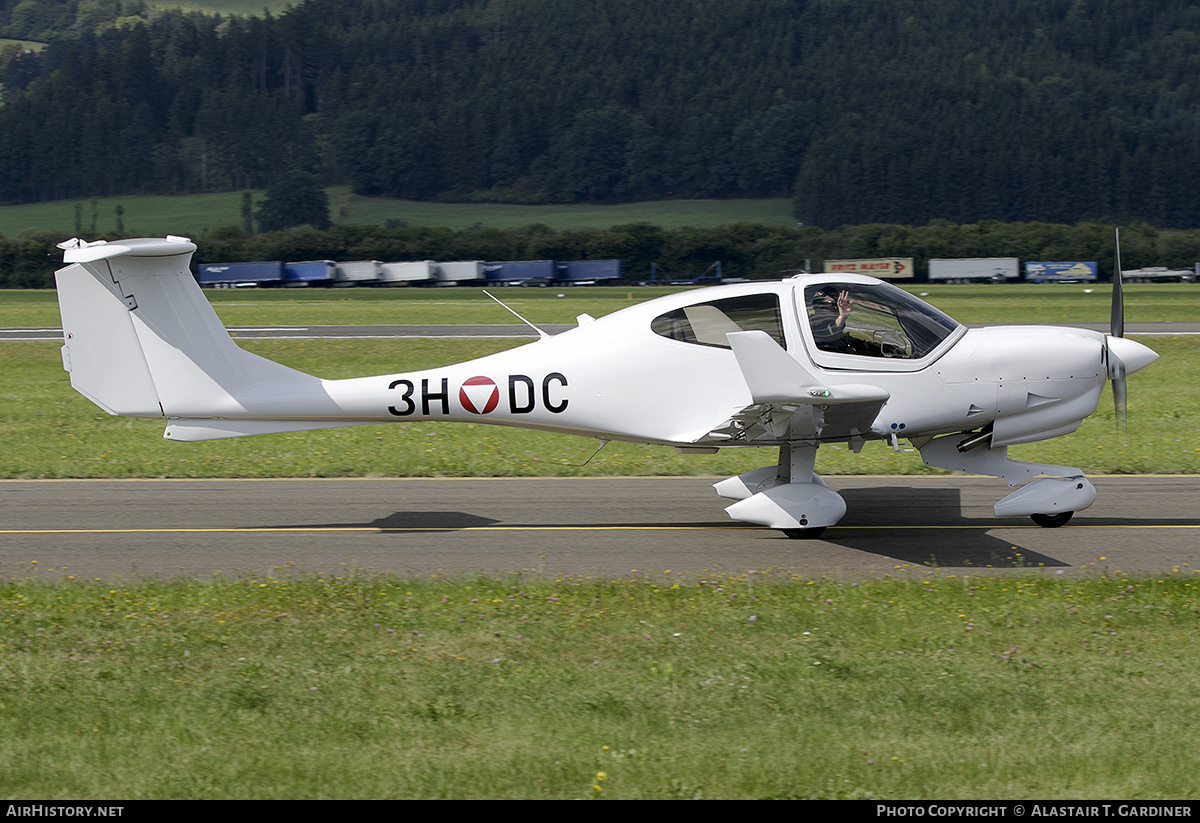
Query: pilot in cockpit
830	309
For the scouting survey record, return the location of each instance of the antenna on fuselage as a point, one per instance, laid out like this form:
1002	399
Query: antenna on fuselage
541	334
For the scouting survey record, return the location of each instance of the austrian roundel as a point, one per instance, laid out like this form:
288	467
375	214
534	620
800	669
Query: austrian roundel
479	395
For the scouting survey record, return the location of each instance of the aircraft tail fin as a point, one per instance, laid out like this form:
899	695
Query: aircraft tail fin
141	340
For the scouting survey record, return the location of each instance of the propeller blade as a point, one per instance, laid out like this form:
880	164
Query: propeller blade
1124	356
1117	321
1116	328
1120	396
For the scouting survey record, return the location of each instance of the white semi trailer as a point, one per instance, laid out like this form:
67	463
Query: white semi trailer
975	270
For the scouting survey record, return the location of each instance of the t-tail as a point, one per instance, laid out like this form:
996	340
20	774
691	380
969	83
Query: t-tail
142	341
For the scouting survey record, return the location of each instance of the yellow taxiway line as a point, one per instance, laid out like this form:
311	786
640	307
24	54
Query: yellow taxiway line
386	529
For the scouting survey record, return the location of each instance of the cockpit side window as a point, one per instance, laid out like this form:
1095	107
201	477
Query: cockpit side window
706	324
874	320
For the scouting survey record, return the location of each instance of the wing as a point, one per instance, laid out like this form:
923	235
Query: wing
789	402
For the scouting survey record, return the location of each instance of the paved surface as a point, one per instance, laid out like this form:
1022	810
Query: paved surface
579	526
333	332
494	330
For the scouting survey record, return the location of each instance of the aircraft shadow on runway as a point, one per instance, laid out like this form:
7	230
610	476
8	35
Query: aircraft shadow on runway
908	524
936	532
927	527
417	522
932	529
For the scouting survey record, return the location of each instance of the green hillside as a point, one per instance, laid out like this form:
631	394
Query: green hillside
243	8
197	214
891	111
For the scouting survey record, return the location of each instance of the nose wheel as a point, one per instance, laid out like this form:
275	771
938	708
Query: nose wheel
805	534
1051	521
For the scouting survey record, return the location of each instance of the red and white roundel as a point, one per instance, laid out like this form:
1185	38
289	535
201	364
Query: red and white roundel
479	395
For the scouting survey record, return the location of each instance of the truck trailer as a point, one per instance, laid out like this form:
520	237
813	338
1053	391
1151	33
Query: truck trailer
974	270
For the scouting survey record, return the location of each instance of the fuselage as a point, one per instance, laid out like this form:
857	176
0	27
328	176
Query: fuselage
661	372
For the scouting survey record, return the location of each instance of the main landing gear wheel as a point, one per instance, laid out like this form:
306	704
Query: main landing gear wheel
1051	521
805	534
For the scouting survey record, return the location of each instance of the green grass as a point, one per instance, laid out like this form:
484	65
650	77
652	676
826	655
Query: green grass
1016	303
240	8
281	307
350	684
51	431
666	213
362	306
344	683
28	45
1032	303
193	215
144	216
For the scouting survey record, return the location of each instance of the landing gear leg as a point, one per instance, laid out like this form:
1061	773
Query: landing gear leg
797	503
1050	499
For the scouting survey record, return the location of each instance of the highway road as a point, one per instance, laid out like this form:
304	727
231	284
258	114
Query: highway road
607	527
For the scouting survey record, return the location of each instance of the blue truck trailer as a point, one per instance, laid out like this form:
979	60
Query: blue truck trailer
309	272
519	271
578	271
1061	272
240	274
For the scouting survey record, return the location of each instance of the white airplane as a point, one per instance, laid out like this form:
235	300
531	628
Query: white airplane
792	364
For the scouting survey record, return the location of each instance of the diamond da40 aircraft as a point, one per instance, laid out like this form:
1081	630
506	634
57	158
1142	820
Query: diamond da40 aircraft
790	365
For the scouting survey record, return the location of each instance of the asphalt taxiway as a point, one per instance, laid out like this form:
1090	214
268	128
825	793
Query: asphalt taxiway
579	526
608	527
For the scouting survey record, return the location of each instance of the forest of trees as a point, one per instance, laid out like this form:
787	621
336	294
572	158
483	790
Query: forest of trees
898	111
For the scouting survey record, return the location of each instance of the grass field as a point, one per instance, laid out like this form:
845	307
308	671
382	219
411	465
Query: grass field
350	684
29	45
243	8
347	683
51	431
1016	303
193	215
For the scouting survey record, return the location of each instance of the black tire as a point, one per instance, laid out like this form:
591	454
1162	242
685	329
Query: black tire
1051	521
805	534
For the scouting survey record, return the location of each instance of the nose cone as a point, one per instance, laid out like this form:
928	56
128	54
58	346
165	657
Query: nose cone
1131	353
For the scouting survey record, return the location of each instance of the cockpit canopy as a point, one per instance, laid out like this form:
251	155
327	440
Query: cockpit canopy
845	322
874	320
708	323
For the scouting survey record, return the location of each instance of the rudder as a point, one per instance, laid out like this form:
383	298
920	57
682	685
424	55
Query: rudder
101	350
141	340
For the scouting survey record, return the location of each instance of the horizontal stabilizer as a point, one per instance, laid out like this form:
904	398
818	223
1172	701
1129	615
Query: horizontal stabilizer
191	431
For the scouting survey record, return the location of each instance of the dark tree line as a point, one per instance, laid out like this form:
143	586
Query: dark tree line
899	111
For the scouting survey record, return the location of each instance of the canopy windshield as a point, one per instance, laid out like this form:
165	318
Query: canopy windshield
874	320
